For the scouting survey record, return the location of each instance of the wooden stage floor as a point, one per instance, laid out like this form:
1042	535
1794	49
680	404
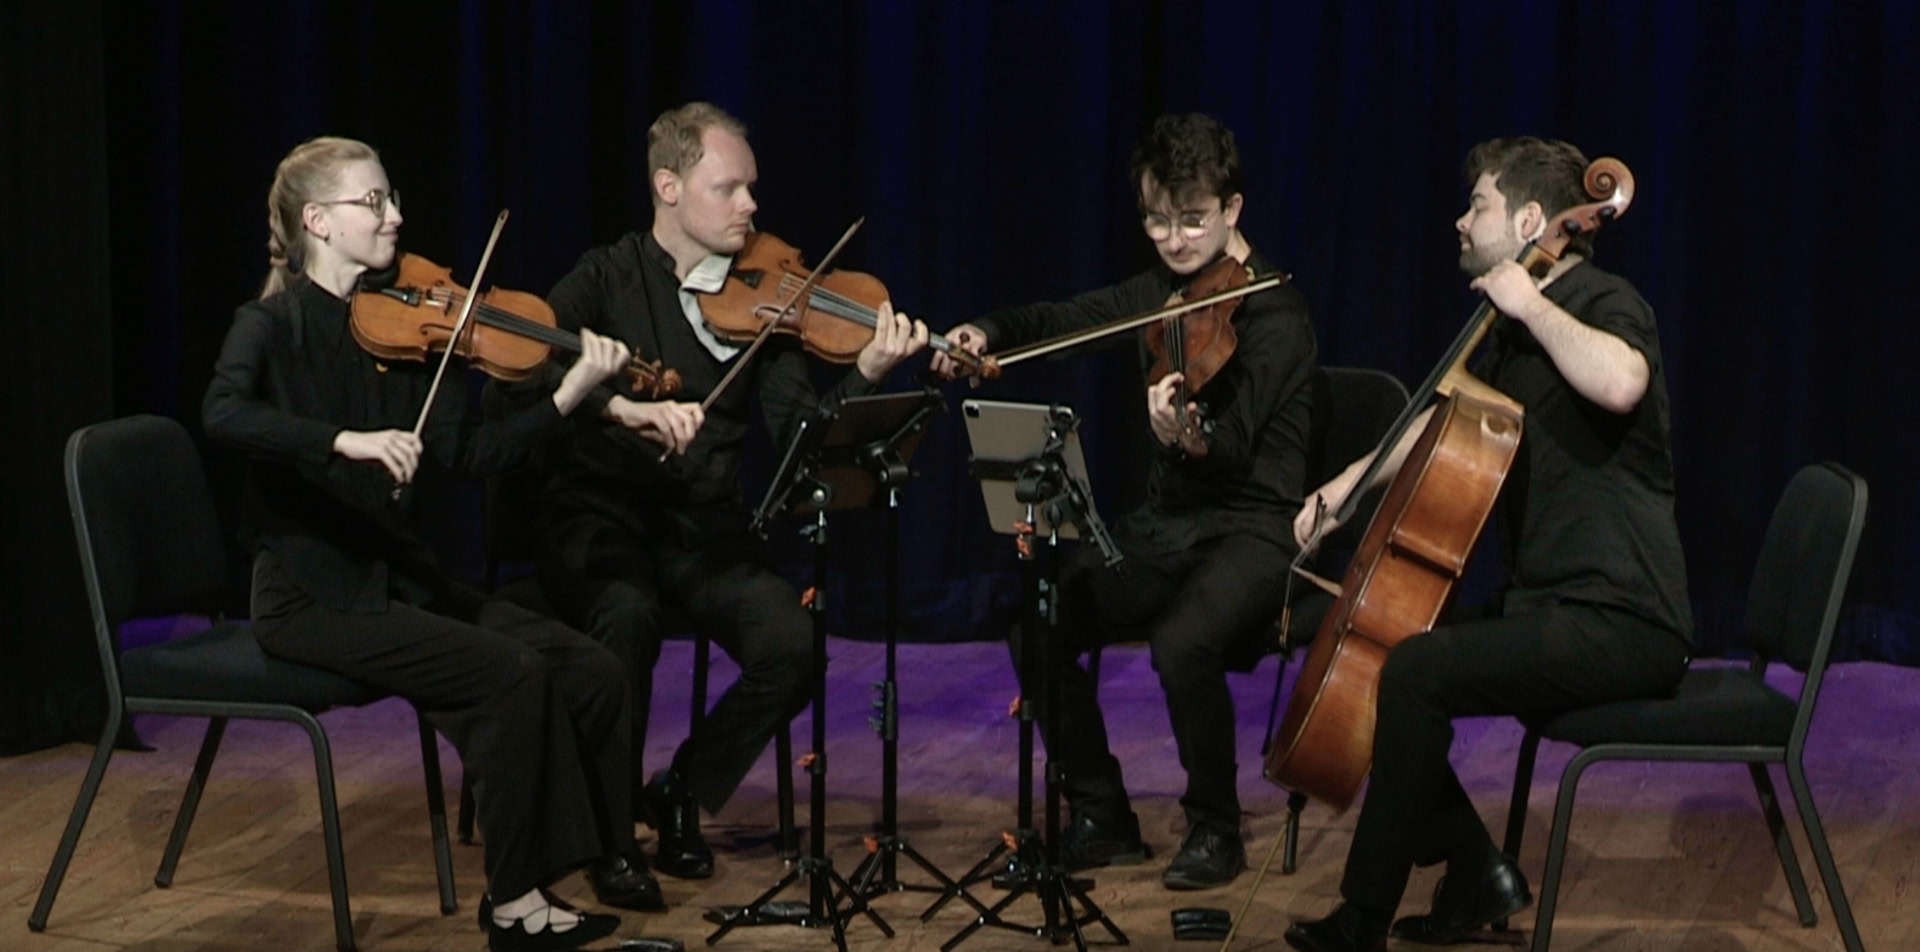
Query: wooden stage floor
1661	857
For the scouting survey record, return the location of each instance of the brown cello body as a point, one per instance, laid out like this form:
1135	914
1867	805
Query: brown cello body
1400	579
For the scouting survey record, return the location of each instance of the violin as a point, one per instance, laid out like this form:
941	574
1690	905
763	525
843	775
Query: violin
511	335
835	321
1197	343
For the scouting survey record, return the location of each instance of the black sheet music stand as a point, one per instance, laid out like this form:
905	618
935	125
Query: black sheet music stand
1034	479
841	457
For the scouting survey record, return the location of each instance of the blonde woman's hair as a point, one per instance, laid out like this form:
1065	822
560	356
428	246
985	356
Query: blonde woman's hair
308	174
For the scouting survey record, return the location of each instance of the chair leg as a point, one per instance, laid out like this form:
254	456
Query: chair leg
330	834
1522	792
190	801
76	820
437	815
1290	858
1782	843
1822	856
1556	851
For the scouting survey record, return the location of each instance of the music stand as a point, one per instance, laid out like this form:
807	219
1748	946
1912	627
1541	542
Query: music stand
839	458
1034	479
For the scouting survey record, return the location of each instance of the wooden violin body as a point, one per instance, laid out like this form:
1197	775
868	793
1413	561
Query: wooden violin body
511	334
1197	343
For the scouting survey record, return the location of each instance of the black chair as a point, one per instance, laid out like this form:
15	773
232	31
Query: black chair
1352	409
1730	714
150	546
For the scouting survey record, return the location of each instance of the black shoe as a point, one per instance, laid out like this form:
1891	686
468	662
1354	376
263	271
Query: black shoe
681	851
1207	858
1346	930
514	936
1467	900
626	882
1087	843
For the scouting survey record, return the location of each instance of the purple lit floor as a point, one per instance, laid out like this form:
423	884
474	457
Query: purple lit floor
1662	857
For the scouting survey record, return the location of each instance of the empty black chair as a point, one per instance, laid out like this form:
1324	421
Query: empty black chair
150	546
1730	714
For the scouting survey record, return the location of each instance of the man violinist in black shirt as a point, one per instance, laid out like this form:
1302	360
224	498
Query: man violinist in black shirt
634	542
1206	556
1595	605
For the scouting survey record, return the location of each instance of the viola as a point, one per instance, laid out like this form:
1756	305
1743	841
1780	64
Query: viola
1197	343
510	336
834	322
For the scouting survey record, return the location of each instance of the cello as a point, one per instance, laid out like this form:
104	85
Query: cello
1416	546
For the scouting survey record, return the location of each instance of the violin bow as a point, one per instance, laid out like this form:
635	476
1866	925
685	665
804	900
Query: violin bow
803	292
459	328
1064	341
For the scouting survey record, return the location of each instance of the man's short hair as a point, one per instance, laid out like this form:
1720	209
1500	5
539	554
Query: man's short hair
1189	155
1529	169
673	141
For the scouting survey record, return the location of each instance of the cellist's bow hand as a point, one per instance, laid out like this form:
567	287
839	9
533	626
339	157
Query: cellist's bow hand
670	423
964	337
895	338
600	357
1317	517
396	450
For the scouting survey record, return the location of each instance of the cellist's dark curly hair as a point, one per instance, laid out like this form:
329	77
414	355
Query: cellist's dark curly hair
1189	155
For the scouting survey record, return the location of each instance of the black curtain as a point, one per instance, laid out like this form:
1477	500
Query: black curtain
986	142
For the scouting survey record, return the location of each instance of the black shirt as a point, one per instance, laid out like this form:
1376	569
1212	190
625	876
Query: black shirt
289	378
1260	404
628	290
1588	510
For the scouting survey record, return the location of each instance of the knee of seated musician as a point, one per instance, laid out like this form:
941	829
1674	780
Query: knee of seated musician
628	622
1411	673
1182	657
776	652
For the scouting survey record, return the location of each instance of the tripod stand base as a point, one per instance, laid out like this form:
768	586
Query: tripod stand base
1065	906
878	873
824	911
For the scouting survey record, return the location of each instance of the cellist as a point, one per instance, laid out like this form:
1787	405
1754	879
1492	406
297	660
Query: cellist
1206	555
1594	608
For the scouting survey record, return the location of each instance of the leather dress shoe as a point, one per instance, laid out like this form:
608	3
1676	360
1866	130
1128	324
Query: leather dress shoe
1088	843
625	882
1207	858
1467	900
514	937
1346	930
681	851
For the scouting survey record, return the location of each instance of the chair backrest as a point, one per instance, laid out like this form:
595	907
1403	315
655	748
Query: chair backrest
1353	406
1800	576
148	533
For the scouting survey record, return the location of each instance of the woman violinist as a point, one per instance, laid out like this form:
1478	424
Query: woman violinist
1206	555
342	581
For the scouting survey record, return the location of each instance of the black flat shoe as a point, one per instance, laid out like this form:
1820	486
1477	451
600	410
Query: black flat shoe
1207	858
1466	901
681	851
516	937
1346	930
1089	843
626	883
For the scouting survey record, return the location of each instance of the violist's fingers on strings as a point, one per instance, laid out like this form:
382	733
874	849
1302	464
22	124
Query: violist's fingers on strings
895	336
396	450
1161	414
600	357
965	337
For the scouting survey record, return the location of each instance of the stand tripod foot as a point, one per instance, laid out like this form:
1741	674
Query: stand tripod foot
1065	906
826	888
878	873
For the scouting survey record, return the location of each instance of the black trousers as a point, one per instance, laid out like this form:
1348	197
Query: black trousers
538	712
628	588
1201	611
1551	658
